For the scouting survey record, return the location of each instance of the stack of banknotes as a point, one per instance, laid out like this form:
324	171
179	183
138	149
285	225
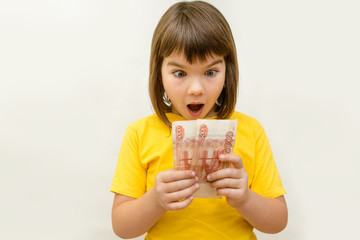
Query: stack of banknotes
197	145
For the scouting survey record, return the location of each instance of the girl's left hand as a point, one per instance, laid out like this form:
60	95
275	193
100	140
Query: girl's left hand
231	182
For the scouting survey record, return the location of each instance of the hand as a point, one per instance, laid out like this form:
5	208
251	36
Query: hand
172	186
231	182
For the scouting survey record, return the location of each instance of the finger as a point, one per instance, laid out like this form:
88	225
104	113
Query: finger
232	158
230	192
180	204
226	183
180	184
175	175
185	193
224	173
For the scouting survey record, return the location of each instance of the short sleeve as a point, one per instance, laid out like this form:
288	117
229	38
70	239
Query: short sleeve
266	180
130	175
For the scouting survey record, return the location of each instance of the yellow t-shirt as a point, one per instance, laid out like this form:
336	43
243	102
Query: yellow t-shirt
147	149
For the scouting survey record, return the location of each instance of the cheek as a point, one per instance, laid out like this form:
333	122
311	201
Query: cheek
219	86
171	90
166	82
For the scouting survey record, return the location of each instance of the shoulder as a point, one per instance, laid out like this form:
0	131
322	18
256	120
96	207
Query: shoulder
148	125
248	126
145	122
245	120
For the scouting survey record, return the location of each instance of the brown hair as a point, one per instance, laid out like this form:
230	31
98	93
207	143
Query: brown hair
198	30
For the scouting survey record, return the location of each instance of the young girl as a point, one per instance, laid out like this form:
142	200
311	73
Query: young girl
194	75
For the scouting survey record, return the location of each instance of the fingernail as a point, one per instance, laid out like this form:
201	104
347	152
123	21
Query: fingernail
208	177
196	179
197	186
193	174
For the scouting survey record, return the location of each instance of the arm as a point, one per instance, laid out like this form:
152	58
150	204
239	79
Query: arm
268	215
133	217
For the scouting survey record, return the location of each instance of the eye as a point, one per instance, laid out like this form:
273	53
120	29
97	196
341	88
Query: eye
210	73
180	74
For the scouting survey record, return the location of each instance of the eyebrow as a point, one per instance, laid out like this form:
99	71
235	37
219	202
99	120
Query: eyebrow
172	63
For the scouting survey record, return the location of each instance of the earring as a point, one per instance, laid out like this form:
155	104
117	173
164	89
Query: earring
167	100
217	103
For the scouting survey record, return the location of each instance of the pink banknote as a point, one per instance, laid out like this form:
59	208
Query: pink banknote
197	145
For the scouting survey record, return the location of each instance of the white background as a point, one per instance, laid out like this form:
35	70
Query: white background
73	75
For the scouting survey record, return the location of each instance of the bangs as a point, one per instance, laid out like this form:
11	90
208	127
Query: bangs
197	35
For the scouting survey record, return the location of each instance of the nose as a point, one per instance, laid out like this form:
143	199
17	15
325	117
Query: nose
195	86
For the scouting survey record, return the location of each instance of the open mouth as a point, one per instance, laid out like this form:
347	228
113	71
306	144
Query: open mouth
195	109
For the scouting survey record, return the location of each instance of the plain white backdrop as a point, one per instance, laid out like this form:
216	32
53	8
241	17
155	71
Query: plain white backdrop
73	75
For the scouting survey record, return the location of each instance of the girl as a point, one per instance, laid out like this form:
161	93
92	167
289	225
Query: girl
194	74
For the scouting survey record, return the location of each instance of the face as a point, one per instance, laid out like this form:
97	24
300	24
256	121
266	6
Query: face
193	88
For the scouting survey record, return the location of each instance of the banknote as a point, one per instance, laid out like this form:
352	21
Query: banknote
197	145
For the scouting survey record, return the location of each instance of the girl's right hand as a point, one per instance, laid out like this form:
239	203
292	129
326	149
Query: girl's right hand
174	188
